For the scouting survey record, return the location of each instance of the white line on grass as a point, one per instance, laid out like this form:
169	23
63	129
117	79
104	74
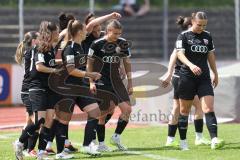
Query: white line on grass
7	136
147	155
4	137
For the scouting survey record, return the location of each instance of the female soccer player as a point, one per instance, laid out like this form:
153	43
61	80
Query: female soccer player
72	55
68	147
23	57
195	49
92	27
91	37
110	50
184	23
43	99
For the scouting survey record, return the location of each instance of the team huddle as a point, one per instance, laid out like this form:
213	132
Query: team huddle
78	64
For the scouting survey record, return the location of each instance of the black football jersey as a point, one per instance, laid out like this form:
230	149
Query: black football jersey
27	57
177	67
40	79
110	54
89	40
196	48
73	54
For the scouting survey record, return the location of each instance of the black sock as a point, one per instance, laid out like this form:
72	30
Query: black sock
39	122
198	123
61	130
211	122
32	141
95	132
43	138
182	126
94	135
67	131
108	117
172	129
101	132
89	131
30	130
53	130
27	132
25	143
121	125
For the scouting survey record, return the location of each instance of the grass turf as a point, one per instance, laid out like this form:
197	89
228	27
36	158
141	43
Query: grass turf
145	144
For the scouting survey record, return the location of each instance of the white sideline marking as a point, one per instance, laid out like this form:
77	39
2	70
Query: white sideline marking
7	136
3	137
147	155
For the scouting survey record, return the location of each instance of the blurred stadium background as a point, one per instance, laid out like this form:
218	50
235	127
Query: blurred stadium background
152	35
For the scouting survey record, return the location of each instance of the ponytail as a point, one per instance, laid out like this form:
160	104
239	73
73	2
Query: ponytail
68	35
73	27
25	45
19	53
64	20
184	22
70	30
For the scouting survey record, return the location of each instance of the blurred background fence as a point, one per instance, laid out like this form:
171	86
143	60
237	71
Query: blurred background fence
152	35
149	37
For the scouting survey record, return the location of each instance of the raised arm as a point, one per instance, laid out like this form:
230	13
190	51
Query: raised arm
102	19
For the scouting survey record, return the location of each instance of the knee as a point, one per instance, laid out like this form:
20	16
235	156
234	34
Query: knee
101	120
173	119
94	113
49	121
127	111
65	122
184	111
207	110
197	116
126	114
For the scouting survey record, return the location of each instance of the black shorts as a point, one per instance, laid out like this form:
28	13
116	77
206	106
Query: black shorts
79	94
108	93
67	103
189	87
26	102
43	99
82	102
175	81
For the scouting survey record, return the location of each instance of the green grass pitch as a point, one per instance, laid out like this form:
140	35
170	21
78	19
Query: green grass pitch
147	144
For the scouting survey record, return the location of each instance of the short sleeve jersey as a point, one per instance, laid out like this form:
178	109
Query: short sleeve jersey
110	53
40	79
73	54
89	40
27	57
196	48
177	67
